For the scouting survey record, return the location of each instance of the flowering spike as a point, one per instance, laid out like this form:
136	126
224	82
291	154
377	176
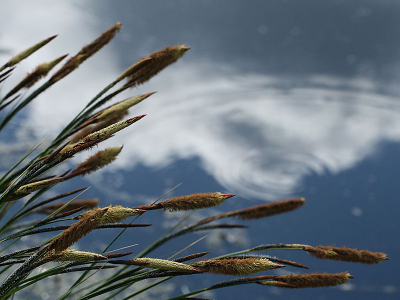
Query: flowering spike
194	201
109	130
119	107
85	128
35	75
269	209
277	284
32	187
164	265
101	41
311	280
114	214
134	68
238	266
76	231
346	254
157	62
73	255
86	52
101	134
96	162
24	54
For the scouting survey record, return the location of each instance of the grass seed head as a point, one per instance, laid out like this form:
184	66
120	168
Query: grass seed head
73	255
86	52
238	266
155	63
346	254
33	77
97	161
27	52
194	201
34	186
269	209
164	265
311	280
76	231
117	108
114	214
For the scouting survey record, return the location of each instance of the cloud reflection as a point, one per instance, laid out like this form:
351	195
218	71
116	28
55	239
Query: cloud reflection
257	135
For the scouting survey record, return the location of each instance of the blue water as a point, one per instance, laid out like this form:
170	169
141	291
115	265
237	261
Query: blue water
275	99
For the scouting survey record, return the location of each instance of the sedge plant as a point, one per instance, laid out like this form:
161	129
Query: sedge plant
23	194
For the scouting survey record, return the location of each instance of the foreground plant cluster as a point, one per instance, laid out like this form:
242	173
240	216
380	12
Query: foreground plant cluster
94	124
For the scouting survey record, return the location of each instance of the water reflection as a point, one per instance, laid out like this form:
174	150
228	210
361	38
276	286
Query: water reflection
257	135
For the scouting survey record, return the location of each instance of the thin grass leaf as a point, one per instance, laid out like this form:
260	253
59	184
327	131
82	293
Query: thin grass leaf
4	179
187	247
9	102
4	74
30	209
4	78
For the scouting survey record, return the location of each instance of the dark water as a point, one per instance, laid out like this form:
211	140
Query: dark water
275	99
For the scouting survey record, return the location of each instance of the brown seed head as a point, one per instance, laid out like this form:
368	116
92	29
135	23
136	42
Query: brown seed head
155	63
35	76
238	266
266	210
114	214
86	52
101	41
134	68
194	201
276	284
96	161
68	67
311	280
346	254
76	231
41	71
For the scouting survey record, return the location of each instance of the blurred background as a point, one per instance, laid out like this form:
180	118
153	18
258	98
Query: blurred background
275	99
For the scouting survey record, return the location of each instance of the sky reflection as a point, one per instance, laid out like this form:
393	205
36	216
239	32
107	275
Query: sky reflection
257	134
272	96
